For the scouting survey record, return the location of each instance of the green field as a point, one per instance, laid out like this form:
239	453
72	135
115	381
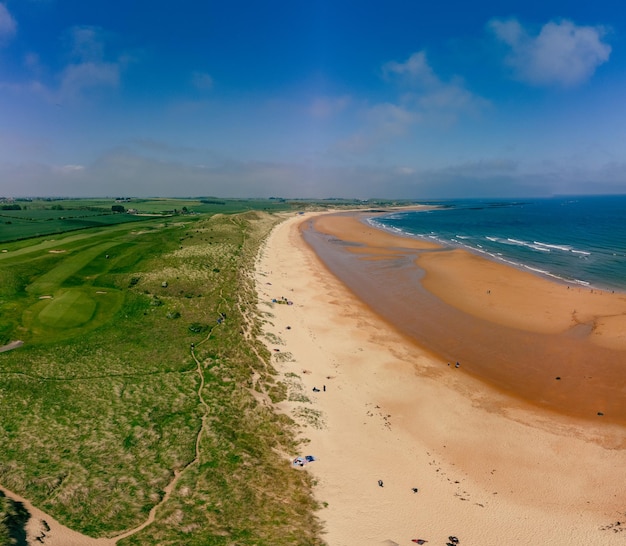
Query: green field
105	402
45	217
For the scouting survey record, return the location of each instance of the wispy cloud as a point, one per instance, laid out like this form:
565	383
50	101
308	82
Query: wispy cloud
422	97
123	171
8	26
428	93
414	71
77	79
86	44
87	70
327	107
391	119
202	81
562	53
90	70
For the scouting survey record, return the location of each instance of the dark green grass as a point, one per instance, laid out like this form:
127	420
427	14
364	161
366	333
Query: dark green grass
15	228
49	215
99	411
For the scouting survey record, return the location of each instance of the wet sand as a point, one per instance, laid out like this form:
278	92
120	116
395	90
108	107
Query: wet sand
559	347
491	466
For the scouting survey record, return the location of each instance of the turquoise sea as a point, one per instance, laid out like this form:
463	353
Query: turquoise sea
580	240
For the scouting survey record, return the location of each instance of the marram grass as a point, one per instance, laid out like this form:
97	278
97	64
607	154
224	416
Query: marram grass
105	403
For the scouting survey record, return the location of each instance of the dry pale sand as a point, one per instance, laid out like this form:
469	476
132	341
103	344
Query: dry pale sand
489	469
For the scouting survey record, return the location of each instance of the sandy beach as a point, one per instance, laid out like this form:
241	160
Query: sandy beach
491	466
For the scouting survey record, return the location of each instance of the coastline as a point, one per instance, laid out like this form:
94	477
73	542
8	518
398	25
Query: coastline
557	347
485	464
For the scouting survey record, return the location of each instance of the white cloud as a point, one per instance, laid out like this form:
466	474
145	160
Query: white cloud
67	169
202	81
562	53
8	26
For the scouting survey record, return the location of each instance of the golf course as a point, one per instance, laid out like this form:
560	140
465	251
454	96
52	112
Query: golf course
133	408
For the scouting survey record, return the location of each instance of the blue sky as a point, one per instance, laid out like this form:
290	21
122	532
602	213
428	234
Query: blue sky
401	99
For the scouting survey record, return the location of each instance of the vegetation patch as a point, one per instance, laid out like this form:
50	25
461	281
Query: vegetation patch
312	417
109	400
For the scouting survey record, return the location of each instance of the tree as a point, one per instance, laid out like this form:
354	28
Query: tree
118	208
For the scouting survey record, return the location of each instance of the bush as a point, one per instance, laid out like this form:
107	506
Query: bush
198	328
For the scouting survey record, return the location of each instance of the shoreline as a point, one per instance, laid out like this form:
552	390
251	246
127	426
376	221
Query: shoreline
520	266
485	465
556	347
537	269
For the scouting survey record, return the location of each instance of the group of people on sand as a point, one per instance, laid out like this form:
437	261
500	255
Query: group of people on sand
283	300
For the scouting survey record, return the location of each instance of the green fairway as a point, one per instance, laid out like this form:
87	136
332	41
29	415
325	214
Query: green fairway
69	265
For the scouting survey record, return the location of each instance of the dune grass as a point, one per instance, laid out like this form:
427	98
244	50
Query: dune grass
106	402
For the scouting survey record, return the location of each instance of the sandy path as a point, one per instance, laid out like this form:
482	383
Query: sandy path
11	346
44	529
391	411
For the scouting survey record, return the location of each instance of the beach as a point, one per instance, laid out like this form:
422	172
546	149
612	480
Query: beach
494	459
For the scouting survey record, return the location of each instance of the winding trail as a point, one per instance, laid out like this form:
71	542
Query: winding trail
58	534
178	473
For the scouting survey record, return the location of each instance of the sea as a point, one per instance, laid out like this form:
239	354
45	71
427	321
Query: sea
579	240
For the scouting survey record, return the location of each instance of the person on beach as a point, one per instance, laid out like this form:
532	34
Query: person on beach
380	482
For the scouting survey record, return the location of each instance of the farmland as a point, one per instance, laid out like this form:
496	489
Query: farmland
105	404
27	218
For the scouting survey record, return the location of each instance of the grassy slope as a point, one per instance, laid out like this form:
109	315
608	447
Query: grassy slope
97	418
